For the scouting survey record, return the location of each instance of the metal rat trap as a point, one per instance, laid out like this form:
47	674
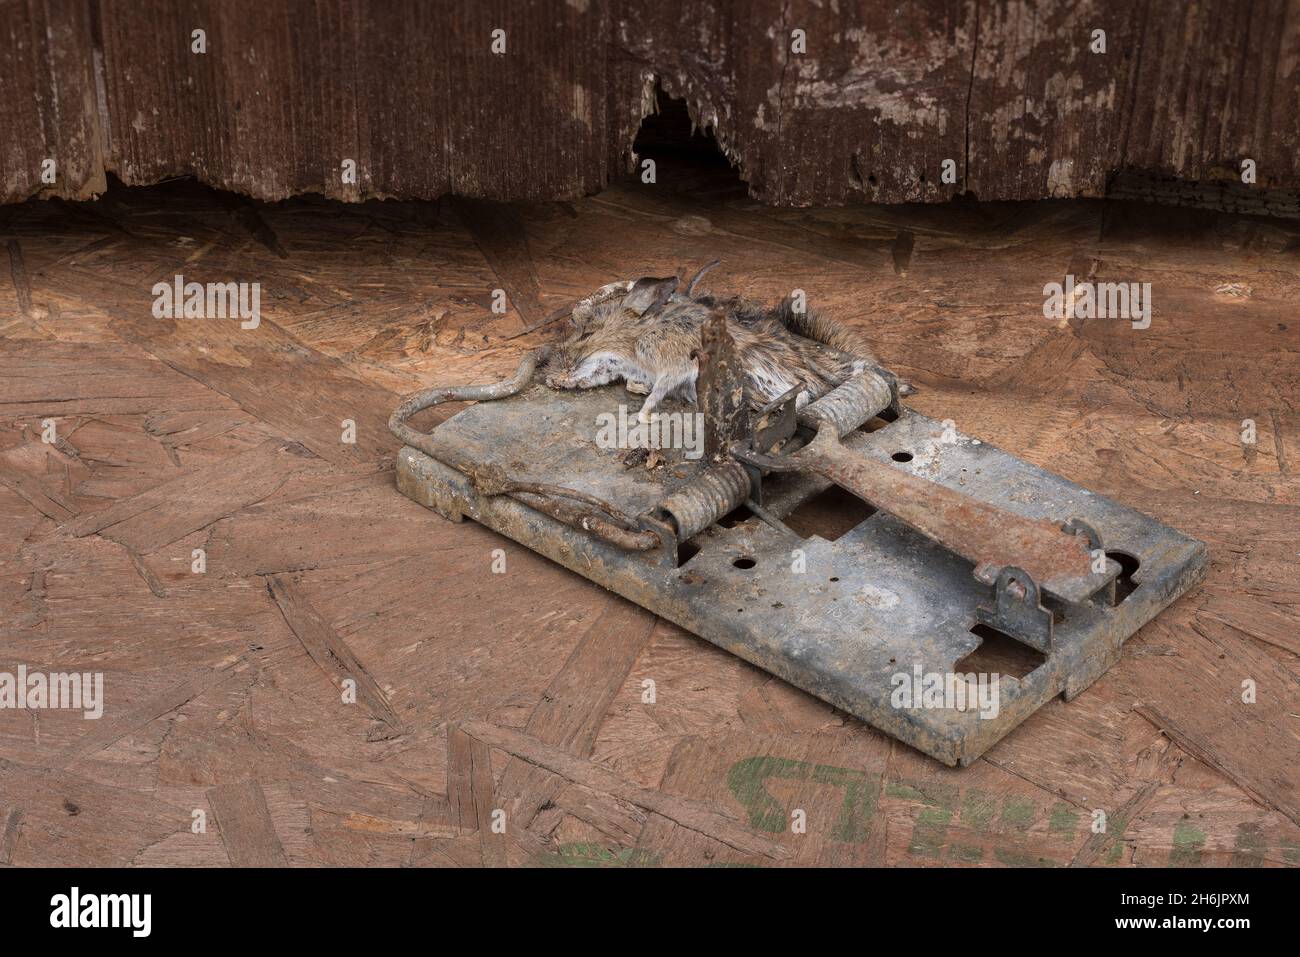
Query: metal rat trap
959	542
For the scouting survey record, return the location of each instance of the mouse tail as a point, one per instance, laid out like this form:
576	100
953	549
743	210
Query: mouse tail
821	328
690	286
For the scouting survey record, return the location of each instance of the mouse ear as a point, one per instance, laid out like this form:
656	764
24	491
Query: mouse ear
649	294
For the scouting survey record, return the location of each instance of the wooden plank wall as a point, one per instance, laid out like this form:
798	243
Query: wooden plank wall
47	101
1011	92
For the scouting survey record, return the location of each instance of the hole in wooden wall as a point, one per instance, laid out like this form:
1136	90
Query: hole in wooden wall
667	138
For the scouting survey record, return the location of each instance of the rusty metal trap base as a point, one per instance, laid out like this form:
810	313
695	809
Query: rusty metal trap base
842	619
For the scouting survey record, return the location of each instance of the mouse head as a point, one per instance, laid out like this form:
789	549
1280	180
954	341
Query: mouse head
602	343
648	295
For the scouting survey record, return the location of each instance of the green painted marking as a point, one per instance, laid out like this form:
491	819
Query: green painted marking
861	792
930	832
1018	814
746	779
852	824
582	854
1249	846
926	792
1114	833
1014	858
1116	849
1188	845
896	789
1063	823
978	809
1290	851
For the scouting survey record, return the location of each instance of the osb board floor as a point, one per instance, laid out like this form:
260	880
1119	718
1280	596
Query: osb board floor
523	691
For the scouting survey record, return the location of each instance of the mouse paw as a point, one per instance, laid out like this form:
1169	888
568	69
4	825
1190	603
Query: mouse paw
637	388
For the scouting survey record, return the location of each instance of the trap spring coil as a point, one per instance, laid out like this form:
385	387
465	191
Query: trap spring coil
851	403
717	490
725	486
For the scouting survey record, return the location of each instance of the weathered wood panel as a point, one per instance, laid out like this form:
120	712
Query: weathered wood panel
1016	97
1214	84
869	112
1046	112
410	92
47	101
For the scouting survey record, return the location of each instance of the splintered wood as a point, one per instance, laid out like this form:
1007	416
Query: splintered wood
826	103
302	666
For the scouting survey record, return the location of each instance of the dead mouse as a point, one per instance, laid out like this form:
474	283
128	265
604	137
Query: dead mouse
648	337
